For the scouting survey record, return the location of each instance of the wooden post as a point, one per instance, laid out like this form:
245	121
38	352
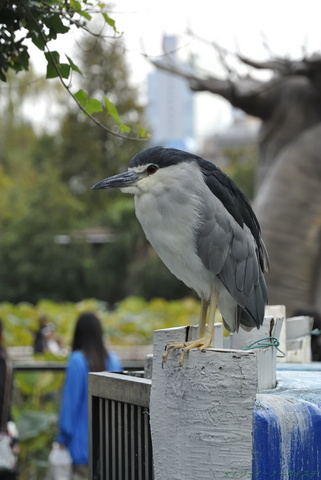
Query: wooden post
201	413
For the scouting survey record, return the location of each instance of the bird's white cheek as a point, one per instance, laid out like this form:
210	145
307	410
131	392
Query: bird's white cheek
132	189
145	185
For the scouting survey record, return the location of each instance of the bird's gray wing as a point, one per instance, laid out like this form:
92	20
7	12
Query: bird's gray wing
213	242
234	251
232	256
243	278
236	204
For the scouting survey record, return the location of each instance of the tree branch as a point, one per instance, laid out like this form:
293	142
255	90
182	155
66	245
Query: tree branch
67	88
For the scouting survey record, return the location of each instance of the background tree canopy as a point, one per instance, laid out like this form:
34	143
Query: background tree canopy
47	197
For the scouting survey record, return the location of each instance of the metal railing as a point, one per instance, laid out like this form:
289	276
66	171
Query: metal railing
120	445
60	366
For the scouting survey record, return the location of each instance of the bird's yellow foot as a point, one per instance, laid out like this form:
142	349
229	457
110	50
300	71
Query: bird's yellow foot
203	343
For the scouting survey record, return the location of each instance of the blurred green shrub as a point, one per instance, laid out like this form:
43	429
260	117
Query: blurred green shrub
132	321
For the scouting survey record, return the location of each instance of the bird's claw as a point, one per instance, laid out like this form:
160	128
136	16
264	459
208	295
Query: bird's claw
169	347
203	343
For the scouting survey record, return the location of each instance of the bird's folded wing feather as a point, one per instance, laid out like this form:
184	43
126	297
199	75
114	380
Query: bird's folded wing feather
230	246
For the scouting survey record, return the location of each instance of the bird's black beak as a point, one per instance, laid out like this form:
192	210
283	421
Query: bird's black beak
121	180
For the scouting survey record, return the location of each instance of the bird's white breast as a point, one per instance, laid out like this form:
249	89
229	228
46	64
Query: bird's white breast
170	216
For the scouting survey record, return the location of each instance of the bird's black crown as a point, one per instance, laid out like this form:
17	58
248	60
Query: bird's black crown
161	156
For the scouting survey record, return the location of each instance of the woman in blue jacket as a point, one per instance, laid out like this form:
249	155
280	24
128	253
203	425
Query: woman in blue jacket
88	355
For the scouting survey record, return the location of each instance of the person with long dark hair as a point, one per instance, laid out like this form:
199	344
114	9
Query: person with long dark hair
88	355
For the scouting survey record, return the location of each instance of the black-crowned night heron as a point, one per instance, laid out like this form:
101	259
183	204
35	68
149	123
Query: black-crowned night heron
204	230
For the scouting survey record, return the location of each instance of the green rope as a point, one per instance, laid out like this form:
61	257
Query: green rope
274	342
315	331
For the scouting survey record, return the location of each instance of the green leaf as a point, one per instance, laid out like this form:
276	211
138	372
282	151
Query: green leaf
84	14
53	64
82	97
38	40
142	132
73	66
54	67
112	110
55	25
109	20
124	128
20	61
90	105
64	70
93	106
75	5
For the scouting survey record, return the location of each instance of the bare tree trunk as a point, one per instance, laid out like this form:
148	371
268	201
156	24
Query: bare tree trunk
288	206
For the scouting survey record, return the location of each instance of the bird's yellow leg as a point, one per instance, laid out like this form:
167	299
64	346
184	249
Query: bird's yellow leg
202	322
207	338
206	335
201	331
209	333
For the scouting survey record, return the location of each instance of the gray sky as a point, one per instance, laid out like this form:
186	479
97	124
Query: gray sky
237	25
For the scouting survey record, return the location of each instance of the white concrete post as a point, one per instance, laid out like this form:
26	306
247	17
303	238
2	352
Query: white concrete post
201	413
298	340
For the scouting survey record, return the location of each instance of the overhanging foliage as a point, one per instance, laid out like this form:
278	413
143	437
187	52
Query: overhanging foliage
40	22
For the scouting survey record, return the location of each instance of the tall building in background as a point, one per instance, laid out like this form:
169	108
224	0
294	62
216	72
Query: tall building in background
170	107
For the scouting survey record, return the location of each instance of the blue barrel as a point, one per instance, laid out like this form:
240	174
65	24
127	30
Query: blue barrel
287	427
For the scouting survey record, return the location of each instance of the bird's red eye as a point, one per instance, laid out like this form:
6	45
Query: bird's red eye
151	169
